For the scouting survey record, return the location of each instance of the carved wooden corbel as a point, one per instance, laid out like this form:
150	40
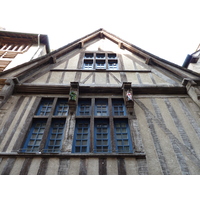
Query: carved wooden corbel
128	97
73	96
121	45
81	45
148	61
52	59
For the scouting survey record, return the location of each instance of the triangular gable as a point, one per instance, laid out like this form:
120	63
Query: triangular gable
55	56
142	68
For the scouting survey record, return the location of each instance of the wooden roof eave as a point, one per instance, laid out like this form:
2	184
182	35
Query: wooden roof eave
26	37
152	59
31	65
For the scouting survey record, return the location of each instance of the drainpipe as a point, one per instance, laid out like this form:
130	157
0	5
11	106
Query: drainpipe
38	46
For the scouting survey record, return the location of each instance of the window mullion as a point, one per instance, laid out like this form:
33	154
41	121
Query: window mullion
106	57
94	63
92	125
48	125
111	125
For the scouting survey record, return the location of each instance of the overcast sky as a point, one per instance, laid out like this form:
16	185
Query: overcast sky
167	28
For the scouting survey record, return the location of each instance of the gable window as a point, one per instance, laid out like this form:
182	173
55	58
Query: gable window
46	132
104	129
100	61
88	64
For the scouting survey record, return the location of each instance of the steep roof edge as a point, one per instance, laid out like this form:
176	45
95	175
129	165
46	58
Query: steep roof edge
101	33
152	55
54	53
29	36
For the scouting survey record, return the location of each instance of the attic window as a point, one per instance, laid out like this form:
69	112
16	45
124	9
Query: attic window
100	55
89	55
112	56
100	61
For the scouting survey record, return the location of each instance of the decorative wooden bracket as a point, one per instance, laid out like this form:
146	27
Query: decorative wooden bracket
52	59
81	45
73	96
121	45
128	97
148	61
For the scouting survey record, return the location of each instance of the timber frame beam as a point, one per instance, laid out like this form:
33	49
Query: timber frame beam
65	89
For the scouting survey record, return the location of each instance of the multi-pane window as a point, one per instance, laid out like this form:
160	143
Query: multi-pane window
101	107
45	107
61	107
100	61
118	107
82	136
122	136
84	107
55	136
46	132
102	137
104	129
35	135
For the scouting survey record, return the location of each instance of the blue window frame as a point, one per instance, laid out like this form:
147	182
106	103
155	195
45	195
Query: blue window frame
112	56
118	107
84	107
55	136
122	136
101	107
100	61
88	64
32	143
112	64
102	136
100	56
100	64
45	107
61	107
89	56
81	137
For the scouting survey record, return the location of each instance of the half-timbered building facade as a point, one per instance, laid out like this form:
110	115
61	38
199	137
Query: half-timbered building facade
99	106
